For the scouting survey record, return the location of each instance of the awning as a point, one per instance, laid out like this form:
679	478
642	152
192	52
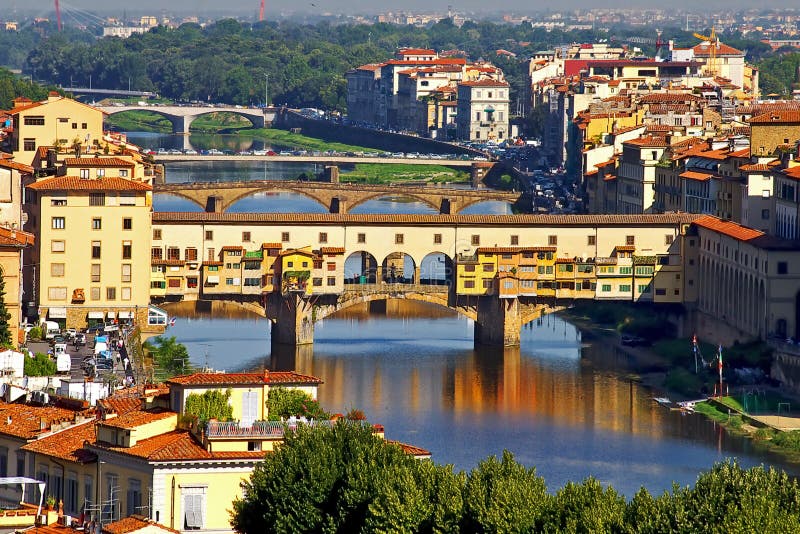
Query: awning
125	315
212	279
57	313
111	314
95	315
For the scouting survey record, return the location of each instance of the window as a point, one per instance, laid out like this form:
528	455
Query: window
362	238
229	281
488	283
398	239
552	240
156	284
111	293
661	292
57	246
134	497
469	284
331	280
644	288
475	240
20	463
488	267
783	267
625	287
97	199
96	250
127	250
630	240
84	173
123	173
157	234
622	270
191	282
34	120
95	272
194	505
58	199
58	223
514	240
56	269
331	266
437	239
127	223
173	253
71	493
605	288
323	237
94	293
125	292
126	272
252	282
83	125
100	174
97	223
3	461
191	254
29	145
285	237
156	253
127	198
57	293
317	282
245	237
591	240
765	193
469	268
209	235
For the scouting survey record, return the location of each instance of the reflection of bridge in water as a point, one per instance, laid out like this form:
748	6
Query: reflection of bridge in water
336	197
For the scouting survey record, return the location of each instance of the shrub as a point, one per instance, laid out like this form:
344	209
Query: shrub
35	333
39	365
283	402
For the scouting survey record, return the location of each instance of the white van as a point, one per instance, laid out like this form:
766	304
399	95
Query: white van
63	360
50	329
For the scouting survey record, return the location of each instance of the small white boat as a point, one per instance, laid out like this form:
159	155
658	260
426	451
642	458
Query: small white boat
663	401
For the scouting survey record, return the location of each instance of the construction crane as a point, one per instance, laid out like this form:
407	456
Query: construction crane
713	45
260	11
58	16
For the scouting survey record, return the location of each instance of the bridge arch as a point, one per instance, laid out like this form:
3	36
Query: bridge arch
360	267
323	200
436	268
463	208
437	299
399	268
182	117
178	194
363	198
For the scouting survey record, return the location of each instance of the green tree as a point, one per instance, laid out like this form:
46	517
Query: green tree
212	404
171	357
39	365
584	508
5	317
283	403
503	497
345	479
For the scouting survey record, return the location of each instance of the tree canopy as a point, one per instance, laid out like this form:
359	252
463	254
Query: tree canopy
211	404
170	357
347	479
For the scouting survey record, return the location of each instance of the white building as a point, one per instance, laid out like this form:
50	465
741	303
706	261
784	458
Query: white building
483	110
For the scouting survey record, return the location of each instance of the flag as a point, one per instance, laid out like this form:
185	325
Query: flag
172	322
719	365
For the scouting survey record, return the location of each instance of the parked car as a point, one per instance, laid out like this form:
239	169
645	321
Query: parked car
95	329
80	340
70	333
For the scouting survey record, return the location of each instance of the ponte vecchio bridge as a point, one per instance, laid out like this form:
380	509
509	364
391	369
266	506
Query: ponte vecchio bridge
336	197
500	271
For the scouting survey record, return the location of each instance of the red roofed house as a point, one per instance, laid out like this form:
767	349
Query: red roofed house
772	129
93	220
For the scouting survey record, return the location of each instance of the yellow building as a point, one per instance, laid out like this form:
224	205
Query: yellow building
92	260
312	272
773	129
57	121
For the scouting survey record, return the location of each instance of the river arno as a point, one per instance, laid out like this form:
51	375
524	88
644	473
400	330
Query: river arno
570	410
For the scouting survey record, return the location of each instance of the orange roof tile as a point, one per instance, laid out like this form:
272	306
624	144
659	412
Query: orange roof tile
120	405
625	248
793	172
11	237
233	379
411	450
486	82
665	98
68	444
416	52
648	141
271	245
178	445
755	167
73	183
332	250
776	117
698	176
97	162
731	229
132	523
159	261
742	153
15	165
137	418
704	50
26	421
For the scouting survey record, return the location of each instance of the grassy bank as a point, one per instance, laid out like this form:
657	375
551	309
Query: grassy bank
378	173
139	121
300	141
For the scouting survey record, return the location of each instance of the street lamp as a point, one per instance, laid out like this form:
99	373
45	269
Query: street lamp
266	90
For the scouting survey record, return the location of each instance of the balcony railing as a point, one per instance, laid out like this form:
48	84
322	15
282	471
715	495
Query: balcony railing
258	429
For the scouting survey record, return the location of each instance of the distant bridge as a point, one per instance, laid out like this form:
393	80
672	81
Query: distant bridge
182	117
115	92
336	197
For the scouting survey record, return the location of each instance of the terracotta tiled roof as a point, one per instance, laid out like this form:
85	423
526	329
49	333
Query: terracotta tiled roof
412	450
755	167
590	173
776	117
271	245
742	153
26	421
232	247
178	445
161	217
10	237
160	261
486	82
132	523
15	165
371	67
731	229
704	50
625	248
793	172
67	444
244	379
612	161
332	250
416	52
658	128
648	141
97	162
668	98
120	405
698	176
213	263
136	418
73	183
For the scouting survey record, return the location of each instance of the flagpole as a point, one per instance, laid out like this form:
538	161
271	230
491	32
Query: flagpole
719	366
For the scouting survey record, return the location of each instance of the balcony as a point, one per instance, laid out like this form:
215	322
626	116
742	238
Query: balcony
258	429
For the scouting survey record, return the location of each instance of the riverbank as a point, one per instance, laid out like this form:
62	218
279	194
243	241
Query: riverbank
650	367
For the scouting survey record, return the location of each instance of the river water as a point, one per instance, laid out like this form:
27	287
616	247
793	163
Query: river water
568	407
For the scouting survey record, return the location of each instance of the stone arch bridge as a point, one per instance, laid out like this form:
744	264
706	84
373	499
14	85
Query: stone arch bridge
182	117
497	322
216	197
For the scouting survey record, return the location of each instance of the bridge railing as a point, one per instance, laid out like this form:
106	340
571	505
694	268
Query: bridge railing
396	288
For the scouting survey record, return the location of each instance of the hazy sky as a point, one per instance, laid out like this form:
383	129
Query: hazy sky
247	7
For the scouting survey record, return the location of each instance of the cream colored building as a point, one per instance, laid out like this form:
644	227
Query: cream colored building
55	121
93	258
483	110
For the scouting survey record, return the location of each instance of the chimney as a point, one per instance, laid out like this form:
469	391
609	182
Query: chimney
42	423
266	376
